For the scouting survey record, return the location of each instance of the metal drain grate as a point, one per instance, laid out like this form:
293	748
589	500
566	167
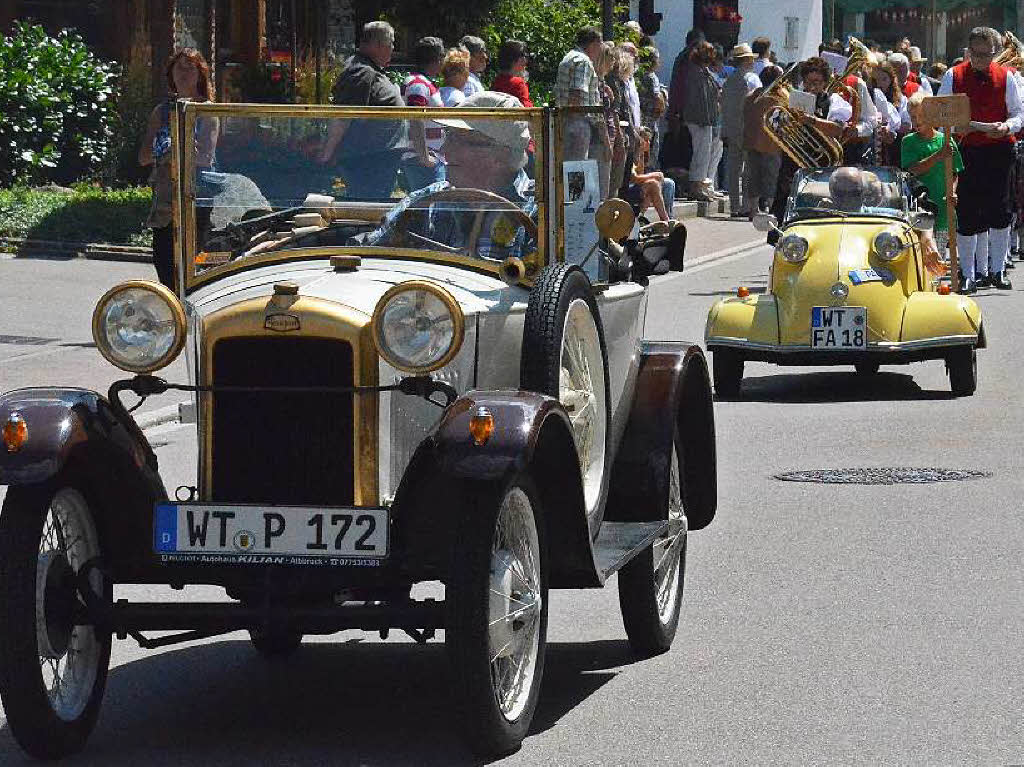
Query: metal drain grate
893	475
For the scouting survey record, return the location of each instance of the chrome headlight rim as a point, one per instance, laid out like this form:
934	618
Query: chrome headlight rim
180	326
454	309
888	253
804	248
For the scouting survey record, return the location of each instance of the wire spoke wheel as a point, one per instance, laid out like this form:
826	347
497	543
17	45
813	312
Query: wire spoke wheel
515	604
53	668
496	602
651	585
582	393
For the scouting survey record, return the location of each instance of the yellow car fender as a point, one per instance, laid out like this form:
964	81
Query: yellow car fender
754	319
934	316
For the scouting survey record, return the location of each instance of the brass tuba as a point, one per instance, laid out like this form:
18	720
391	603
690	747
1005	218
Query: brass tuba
803	144
1012	54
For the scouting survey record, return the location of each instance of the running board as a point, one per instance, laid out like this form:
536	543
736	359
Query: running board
619	542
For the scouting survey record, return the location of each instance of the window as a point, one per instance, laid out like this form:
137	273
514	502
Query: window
792	32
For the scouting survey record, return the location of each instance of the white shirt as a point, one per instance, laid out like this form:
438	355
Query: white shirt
452	97
1014	108
868	118
759	65
633	97
473	85
752	81
925	85
889	115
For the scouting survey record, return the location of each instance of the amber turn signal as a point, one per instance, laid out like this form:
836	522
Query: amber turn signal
742	292
481	426
15	433
943	290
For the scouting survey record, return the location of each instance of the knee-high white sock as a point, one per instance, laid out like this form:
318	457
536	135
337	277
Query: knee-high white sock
966	246
981	255
998	249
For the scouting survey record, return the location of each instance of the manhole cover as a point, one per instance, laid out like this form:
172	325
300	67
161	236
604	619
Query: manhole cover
896	475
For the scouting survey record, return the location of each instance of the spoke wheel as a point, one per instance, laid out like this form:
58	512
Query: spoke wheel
497	602
52	672
564	356
651	585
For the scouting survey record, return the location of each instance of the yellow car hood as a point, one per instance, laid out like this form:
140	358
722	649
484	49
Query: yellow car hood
838	247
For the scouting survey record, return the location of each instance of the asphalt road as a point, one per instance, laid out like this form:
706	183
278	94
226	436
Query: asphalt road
821	623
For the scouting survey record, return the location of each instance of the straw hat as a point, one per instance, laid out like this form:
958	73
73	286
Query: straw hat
915	54
742	51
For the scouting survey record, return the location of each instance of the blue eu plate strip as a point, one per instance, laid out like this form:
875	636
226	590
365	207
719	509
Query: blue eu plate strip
816	316
165	527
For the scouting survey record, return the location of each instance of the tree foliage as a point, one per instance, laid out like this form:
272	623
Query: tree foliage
55	106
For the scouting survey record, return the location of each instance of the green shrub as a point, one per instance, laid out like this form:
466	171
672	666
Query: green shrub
55	106
88	214
133	104
267	83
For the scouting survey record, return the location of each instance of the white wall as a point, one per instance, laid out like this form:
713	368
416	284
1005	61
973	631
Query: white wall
768	18
760	17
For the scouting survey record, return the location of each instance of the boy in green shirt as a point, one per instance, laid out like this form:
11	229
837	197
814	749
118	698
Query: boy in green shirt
922	153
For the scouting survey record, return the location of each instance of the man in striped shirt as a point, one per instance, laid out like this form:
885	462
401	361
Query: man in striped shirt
425	165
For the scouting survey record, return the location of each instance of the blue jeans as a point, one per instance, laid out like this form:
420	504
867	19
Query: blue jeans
668	193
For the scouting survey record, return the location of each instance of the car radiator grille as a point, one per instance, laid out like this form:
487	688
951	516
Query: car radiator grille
284	448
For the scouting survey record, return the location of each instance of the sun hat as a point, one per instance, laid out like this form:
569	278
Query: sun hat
514	134
742	51
915	54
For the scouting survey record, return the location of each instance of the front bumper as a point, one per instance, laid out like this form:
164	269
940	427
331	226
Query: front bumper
885	353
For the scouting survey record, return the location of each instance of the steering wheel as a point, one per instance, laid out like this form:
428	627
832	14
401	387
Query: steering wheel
493	202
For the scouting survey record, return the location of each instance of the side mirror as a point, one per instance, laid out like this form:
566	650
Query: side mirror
923	220
614	218
765	222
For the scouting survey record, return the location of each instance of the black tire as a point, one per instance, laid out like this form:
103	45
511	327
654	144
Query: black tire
33	720
962	365
727	370
557	287
651	631
275	644
478	715
866	368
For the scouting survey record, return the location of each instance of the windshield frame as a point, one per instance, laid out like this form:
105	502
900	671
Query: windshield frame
794	213
183	171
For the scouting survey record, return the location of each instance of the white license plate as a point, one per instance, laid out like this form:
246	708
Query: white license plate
839	327
210	533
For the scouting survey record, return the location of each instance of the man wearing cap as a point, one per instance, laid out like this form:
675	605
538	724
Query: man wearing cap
482	154
741	82
916	63
983	212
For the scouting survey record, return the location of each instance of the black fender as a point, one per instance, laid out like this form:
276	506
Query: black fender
672	379
532	434
77	432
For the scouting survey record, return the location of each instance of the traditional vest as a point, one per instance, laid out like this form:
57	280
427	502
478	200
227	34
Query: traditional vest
851	81
987	94
913	78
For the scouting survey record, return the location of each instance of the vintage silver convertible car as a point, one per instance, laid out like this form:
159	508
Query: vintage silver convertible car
393	384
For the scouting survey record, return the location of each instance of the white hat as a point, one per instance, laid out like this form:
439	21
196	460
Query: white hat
915	54
742	51
515	134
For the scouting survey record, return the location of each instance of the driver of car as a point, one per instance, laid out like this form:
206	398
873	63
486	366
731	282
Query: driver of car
846	187
484	154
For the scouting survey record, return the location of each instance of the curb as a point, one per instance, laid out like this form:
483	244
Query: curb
62	250
160	415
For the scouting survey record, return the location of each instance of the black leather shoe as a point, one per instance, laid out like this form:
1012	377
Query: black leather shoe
982	281
967	287
1001	281
1010	264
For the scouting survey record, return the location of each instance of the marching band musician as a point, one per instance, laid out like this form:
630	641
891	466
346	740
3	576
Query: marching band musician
983	205
832	116
857	148
893	118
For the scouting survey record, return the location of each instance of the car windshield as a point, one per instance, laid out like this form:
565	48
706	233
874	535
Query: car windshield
873	191
271	181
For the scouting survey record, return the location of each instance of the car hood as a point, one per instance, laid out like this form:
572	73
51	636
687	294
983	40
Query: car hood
836	249
359	289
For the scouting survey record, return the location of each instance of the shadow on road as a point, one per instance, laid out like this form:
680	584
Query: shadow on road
833	387
338	703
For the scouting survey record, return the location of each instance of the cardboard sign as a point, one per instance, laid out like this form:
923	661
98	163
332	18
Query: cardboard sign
945	111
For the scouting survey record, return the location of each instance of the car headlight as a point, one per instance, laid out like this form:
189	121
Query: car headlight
139	326
887	246
793	248
418	327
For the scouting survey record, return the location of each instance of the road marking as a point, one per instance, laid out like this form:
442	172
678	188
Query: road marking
716	258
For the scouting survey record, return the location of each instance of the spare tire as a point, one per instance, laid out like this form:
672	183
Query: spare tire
564	356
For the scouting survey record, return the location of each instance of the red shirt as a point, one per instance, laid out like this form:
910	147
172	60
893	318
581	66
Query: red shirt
987	93
514	86
910	87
